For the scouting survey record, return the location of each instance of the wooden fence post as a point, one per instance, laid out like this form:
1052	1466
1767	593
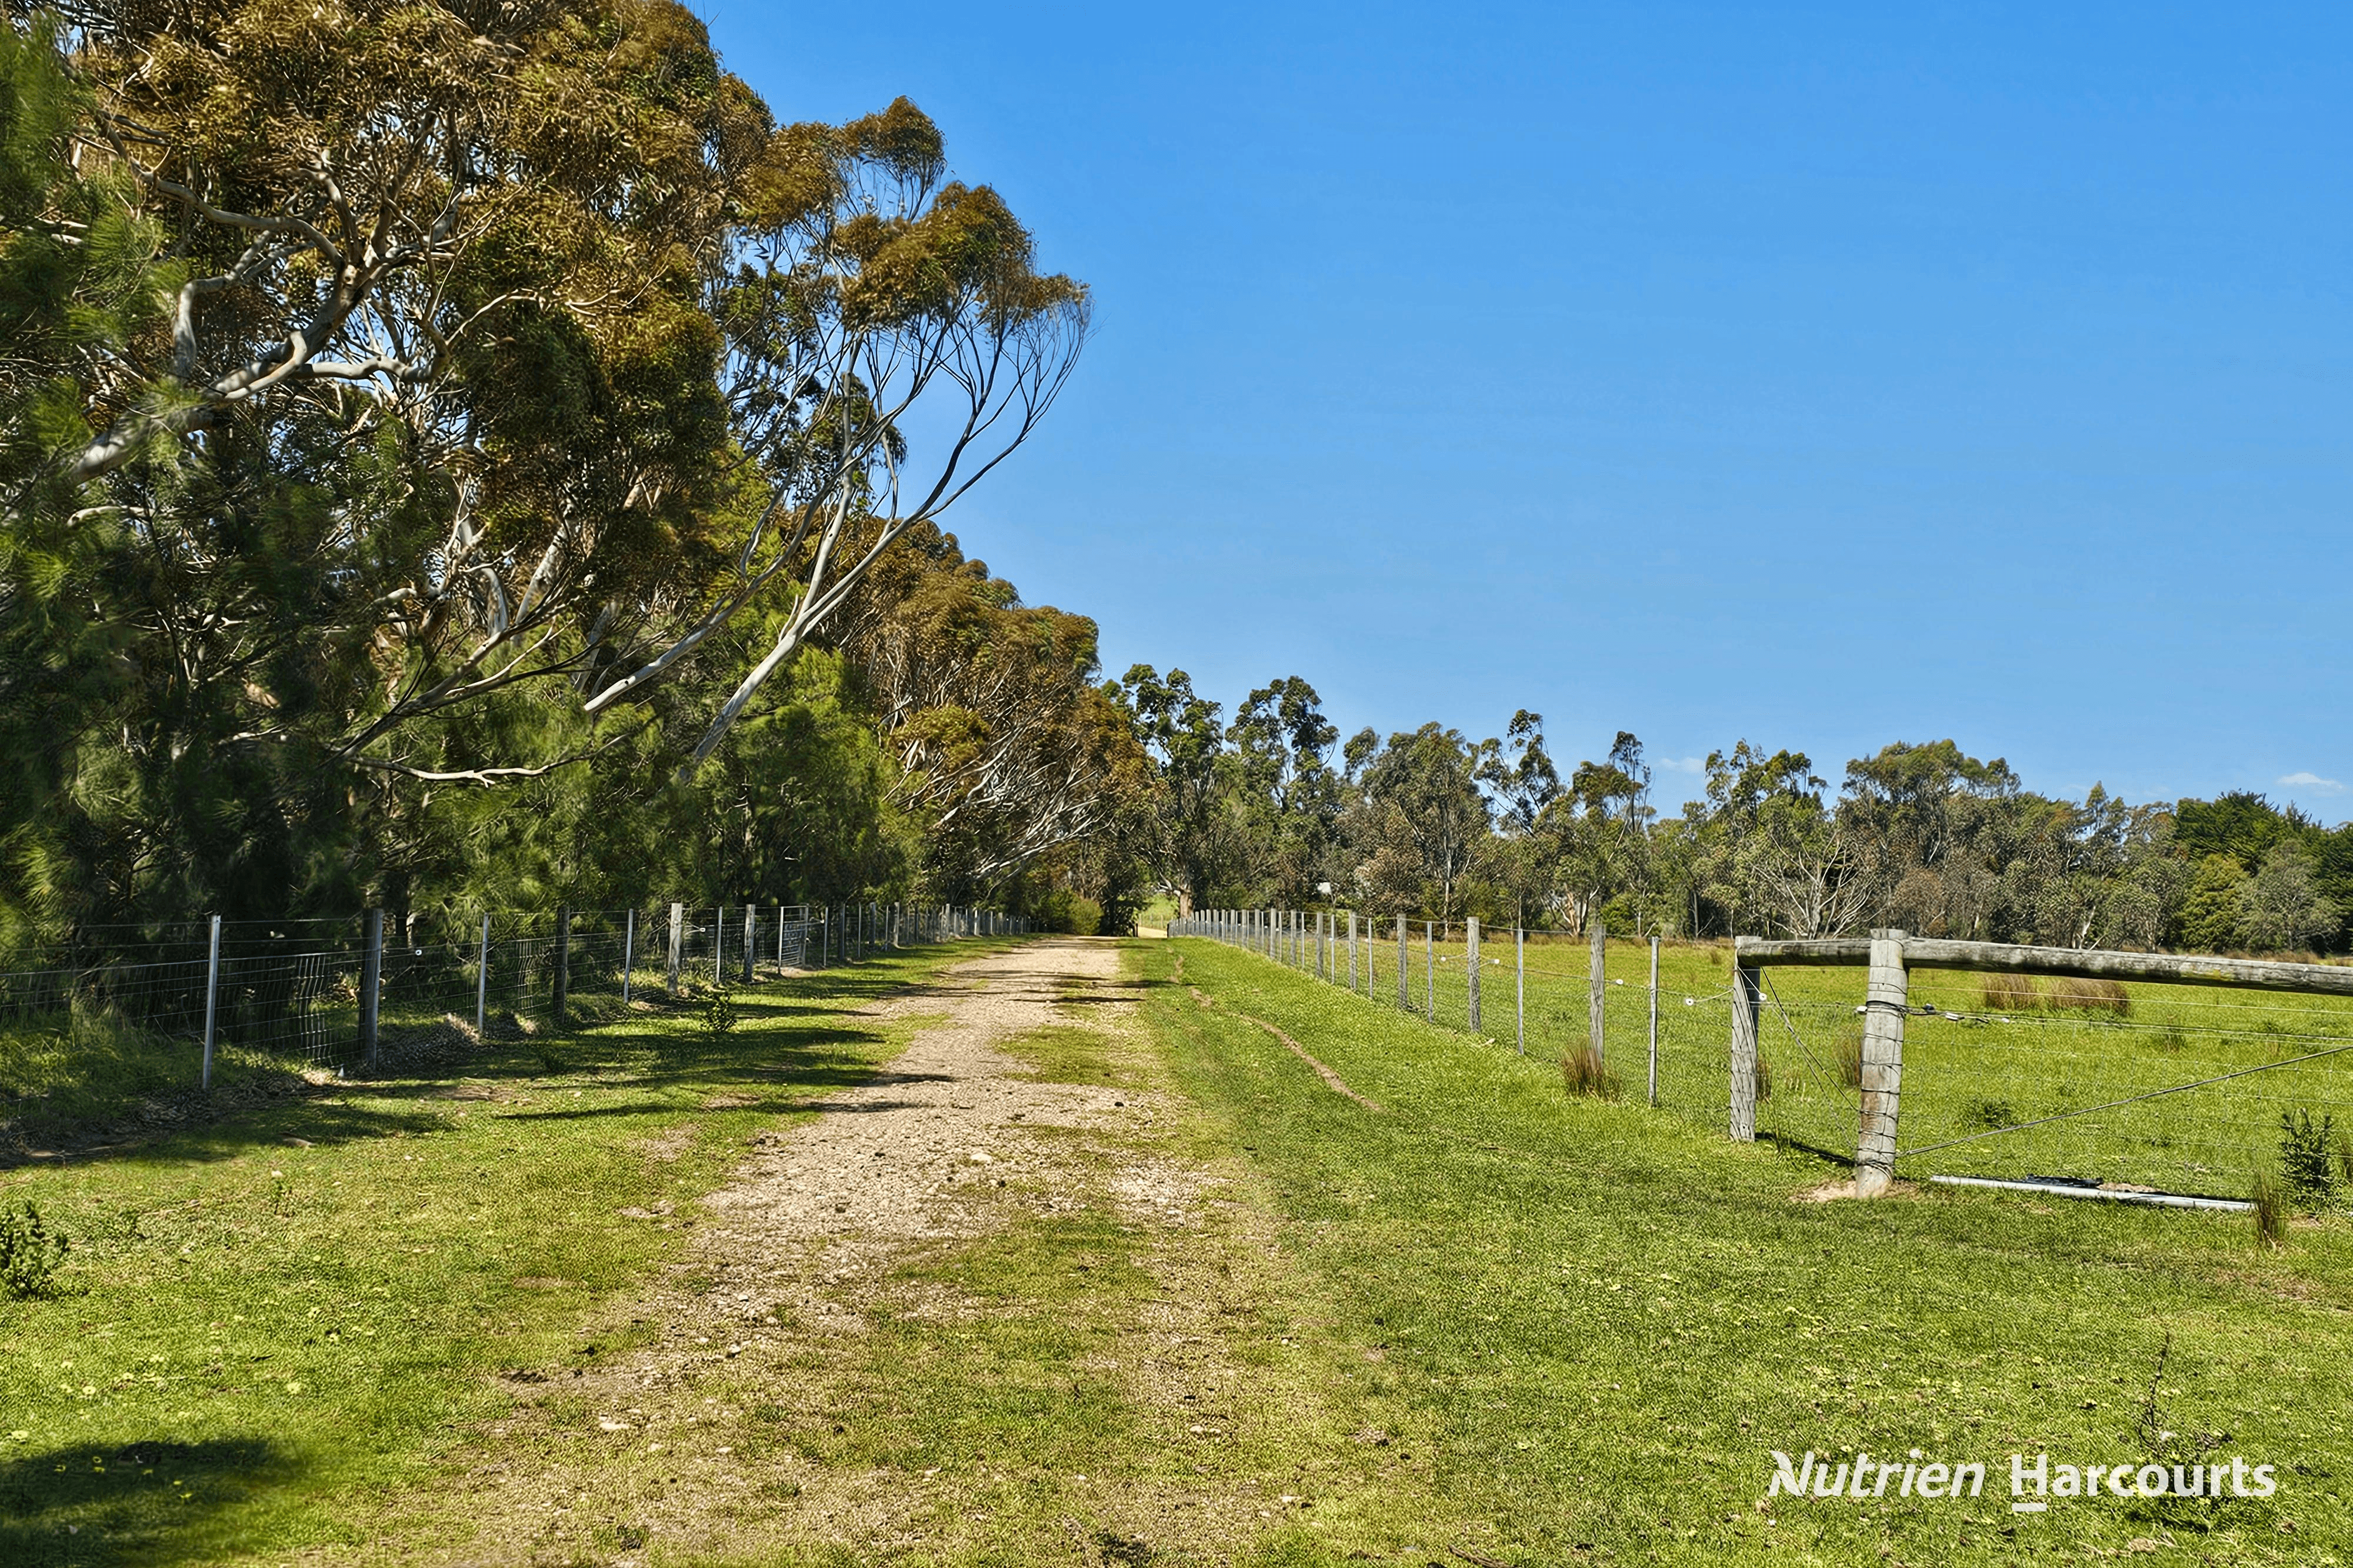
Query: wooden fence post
1471	967
1429	969
1886	996
628	951
751	939
482	980
1745	997
1597	1006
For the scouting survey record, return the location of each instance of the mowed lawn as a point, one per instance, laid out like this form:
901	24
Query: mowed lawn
270	1325
1610	1316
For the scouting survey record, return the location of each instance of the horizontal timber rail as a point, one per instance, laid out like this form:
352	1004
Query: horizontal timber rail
1936	952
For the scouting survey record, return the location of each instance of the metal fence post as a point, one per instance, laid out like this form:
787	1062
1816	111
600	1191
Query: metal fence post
1598	1004
482	980
1654	1021
371	982
1470	968
628	951
1405	984
1885	1000
212	1002
1352	949
677	944
1520	986
563	961
1429	967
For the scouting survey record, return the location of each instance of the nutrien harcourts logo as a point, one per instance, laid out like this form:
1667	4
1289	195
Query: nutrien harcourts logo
2032	1482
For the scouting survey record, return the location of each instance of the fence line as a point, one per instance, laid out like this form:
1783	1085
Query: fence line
1450	973
326	992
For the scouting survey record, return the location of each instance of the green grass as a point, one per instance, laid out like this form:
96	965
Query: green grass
1962	1074
269	1317
1606	1316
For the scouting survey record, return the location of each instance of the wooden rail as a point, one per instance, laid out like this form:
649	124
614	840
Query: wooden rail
1937	952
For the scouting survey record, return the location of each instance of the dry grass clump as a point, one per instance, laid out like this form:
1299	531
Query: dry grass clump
2020	993
2012	994
2107	996
1583	1072
1848	1049
2272	1204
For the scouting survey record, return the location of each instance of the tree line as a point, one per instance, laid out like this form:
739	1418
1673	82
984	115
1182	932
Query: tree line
457	453
1273	810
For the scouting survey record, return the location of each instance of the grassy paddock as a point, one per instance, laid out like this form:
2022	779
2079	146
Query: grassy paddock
1609	1316
1983	1062
267	1318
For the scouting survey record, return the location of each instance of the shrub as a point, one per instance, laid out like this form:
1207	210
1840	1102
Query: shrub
2307	1157
1584	1073
719	1014
2088	997
30	1251
2012	994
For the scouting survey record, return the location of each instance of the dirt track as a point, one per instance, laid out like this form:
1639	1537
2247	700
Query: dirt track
953	1139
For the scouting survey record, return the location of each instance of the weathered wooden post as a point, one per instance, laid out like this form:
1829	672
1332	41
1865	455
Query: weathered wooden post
719	945
562	989
1598	1004
1745	998
212	1002
1886	997
1654	1021
1405	993
371	982
1471	967
483	979
751	939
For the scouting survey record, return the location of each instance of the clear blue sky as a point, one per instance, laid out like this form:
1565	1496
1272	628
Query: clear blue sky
1820	375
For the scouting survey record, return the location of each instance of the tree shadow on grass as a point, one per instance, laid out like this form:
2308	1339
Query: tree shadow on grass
771	1047
157	1501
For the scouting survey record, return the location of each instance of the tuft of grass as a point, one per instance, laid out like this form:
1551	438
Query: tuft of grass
1587	1075
2012	994
2272	1207
2070	995
1847	1053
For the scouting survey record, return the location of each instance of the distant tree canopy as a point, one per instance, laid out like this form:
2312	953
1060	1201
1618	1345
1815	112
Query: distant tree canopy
409	405
1433	824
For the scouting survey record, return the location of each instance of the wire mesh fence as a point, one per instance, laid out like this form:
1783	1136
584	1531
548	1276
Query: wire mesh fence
1662	1041
132	1011
2139	1089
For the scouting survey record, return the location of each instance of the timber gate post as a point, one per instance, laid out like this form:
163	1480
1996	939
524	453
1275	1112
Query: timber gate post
1886	997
